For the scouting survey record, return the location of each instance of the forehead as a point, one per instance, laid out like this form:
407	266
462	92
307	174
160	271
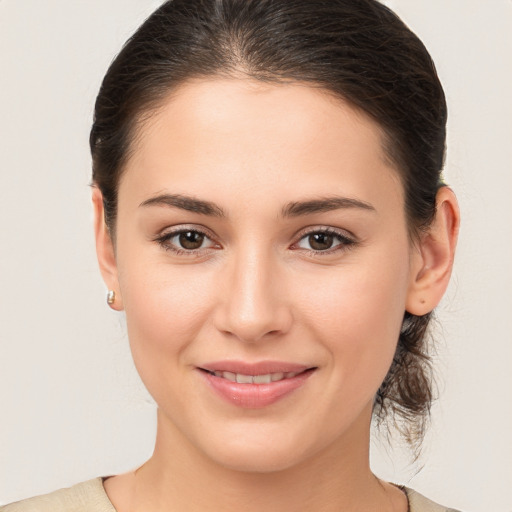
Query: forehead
254	136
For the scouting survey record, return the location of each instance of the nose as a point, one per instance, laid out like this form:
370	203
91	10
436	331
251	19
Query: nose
252	304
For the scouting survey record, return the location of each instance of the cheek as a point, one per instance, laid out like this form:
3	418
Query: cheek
361	297
166	307
357	315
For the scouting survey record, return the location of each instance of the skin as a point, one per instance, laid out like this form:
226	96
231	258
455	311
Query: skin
256	290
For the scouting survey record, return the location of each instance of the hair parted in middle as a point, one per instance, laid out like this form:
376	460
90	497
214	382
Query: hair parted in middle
357	50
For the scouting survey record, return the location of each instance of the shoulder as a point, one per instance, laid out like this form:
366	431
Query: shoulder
88	496
418	503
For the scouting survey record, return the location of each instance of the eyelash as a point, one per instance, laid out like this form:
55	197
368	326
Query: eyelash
345	242
164	242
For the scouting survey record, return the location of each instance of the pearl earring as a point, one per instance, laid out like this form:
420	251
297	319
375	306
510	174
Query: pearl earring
111	297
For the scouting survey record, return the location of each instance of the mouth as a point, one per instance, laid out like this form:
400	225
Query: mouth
255	385
265	378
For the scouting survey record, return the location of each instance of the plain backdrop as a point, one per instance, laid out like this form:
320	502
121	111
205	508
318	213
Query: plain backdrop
71	404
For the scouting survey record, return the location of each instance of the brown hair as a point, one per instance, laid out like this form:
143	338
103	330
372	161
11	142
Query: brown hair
358	50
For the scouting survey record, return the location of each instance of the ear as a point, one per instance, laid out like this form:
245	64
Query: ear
432	260
105	249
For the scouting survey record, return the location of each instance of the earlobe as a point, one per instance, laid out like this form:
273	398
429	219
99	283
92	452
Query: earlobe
433	260
105	250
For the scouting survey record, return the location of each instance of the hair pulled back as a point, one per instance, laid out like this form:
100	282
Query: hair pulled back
358	50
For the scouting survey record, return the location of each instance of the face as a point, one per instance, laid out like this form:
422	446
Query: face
261	238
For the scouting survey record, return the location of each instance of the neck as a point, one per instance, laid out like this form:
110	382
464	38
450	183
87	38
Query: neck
179	477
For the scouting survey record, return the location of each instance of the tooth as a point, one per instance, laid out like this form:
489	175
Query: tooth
244	379
256	379
262	379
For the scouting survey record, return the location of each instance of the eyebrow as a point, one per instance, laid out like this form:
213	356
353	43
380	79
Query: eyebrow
292	209
187	203
324	204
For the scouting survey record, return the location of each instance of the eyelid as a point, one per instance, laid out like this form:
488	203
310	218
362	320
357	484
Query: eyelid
347	239
343	233
165	235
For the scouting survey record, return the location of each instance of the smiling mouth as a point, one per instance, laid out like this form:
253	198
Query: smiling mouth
256	385
267	378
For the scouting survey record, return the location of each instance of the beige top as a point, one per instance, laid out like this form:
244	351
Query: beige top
90	496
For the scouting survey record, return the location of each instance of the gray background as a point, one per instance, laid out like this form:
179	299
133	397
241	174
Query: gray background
71	405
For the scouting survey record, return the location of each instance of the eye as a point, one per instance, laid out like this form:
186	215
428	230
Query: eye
185	241
325	240
318	241
189	240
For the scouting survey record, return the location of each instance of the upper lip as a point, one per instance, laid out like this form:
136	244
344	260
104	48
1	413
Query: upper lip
257	368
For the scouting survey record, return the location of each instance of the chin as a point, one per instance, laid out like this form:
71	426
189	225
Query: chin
258	453
256	461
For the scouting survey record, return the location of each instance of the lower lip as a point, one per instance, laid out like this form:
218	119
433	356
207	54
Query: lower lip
255	396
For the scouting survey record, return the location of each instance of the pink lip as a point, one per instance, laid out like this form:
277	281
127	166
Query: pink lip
259	368
254	396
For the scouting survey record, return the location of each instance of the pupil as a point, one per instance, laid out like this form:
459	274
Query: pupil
191	240
321	241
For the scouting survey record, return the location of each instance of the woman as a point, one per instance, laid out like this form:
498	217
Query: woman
270	215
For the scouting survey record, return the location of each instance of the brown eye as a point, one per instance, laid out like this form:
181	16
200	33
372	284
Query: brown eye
325	240
320	241
185	242
191	240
